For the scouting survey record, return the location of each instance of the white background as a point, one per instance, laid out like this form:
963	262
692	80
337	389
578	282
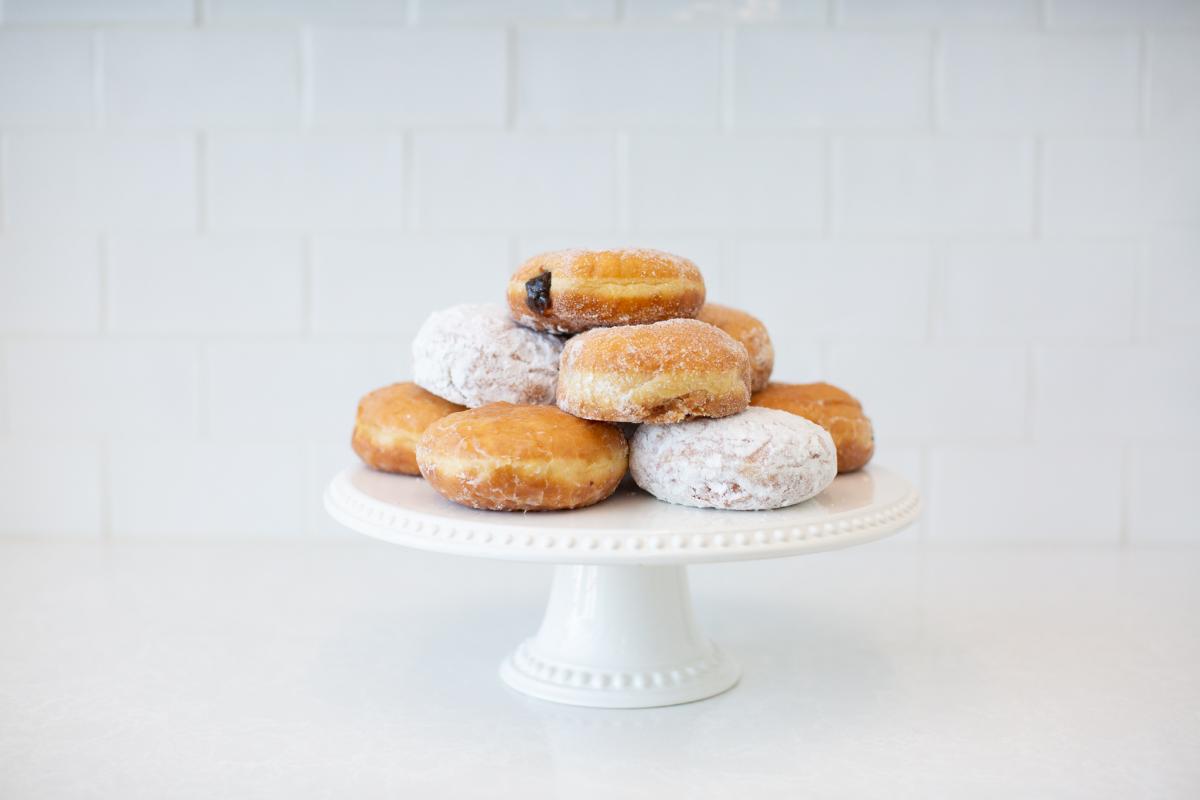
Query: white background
222	221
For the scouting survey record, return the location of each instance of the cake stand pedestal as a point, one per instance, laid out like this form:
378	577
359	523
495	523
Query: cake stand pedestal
619	631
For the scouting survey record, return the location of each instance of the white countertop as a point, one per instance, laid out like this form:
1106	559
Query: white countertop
301	670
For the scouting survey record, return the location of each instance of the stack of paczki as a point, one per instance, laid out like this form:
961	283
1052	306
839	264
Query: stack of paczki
603	362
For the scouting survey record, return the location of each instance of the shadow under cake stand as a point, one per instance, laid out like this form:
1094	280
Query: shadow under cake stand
619	630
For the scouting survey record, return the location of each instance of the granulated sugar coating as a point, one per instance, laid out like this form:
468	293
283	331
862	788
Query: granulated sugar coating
753	335
476	354
507	457
759	459
569	291
665	372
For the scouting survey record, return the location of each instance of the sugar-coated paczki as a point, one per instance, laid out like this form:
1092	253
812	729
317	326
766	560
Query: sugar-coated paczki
666	372
506	457
753	335
758	459
475	354
569	291
833	409
390	422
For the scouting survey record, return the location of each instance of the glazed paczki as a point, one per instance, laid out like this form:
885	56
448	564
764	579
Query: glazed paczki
833	409
390	422
758	459
570	291
751	333
665	372
476	354
505	457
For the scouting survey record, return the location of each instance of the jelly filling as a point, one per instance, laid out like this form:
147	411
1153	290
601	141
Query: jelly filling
537	293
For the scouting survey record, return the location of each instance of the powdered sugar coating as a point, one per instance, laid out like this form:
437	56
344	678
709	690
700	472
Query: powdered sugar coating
475	354
759	459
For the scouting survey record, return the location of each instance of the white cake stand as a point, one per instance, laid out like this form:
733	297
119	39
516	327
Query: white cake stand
619	630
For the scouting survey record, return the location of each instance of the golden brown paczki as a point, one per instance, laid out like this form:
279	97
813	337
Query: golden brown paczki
390	422
753	335
570	291
505	457
661	373
833	409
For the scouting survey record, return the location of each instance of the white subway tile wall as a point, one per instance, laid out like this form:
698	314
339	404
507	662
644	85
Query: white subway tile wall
1040	82
1009	501
89	181
221	222
81	388
49	284
301	182
62	94
667	78
83	12
195	79
788	78
932	185
725	182
1011	291
930	13
382	77
510	182
210	285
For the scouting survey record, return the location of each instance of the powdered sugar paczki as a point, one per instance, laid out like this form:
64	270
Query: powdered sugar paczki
759	459
475	354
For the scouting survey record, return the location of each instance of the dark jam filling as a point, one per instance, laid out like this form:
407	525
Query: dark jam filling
537	293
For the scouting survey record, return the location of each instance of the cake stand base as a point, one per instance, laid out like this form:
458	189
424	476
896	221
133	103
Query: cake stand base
619	637
619	631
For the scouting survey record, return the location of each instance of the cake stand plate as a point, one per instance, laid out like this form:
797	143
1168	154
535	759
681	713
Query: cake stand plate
619	630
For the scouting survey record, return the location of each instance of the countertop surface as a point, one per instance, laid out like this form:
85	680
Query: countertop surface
366	670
